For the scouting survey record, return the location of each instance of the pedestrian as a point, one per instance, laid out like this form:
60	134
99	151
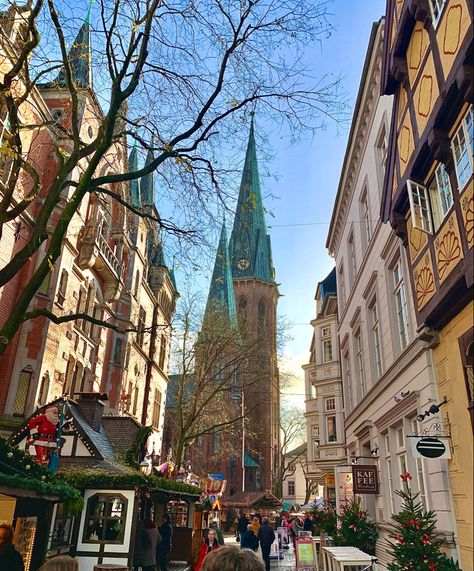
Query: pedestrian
266	536
295	527
308	523
249	541
10	559
60	563
210	544
151	542
242	527
164	548
218	530
256	525
231	558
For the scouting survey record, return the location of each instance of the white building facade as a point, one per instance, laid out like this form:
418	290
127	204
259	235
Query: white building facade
387	366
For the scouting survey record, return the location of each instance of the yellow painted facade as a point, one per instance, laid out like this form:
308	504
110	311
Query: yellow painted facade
450	375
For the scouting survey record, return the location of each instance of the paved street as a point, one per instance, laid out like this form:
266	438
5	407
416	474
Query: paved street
287	563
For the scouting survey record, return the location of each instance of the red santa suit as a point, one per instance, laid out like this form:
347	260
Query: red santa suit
43	430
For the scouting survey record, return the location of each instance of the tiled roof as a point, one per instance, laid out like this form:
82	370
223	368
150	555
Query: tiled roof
122	431
99	439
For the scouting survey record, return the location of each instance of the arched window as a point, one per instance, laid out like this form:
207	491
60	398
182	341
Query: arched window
137	283
242	312
23	388
261	313
44	390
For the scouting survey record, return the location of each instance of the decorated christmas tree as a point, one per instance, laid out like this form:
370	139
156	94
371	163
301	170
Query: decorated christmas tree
356	528
415	545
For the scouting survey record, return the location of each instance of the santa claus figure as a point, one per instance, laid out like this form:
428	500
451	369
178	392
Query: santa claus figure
43	429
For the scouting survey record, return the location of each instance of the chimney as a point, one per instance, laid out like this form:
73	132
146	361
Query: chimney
91	407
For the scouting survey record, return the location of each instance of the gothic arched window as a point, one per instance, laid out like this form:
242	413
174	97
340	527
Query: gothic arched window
261	313
242	312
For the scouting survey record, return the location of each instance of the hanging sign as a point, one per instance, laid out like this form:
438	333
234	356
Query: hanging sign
329	480
431	447
364	479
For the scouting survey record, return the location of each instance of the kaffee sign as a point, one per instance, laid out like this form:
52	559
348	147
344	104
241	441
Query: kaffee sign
364	480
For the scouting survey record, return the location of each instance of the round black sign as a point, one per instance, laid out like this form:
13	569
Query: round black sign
431	447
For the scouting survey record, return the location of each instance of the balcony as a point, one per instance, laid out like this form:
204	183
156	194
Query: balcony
326	372
94	252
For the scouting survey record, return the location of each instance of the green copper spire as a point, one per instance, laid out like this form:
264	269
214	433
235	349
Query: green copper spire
221	291
79	58
134	184
250	248
147	185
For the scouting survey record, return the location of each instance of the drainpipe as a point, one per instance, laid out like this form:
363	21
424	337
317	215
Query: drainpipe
150	359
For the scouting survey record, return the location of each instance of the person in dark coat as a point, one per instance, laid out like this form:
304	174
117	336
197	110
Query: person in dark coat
266	536
10	559
249	540
308	523
242	526
164	548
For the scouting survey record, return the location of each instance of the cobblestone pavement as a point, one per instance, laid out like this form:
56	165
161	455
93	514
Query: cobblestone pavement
286	564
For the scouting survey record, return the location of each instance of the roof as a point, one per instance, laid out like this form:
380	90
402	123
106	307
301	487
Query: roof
221	291
328	286
249	462
296	451
122	430
147	184
253	499
100	440
250	247
134	183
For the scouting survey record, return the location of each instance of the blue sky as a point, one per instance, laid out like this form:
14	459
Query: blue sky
308	175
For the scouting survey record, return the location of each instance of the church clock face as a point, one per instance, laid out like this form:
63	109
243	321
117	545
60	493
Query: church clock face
243	264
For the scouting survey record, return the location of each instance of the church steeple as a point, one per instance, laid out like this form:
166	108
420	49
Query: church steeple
147	185
250	248
134	184
79	57
221	291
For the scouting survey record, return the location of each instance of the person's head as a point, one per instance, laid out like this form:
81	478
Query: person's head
211	535
255	518
232	558
213	524
265	520
60	563
6	535
249	527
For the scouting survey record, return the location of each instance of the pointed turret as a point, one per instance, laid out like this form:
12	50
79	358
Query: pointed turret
250	248
147	185
79	58
134	184
221	291
156	255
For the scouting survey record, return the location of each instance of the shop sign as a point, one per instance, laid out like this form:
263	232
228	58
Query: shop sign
364	480
430	447
329	480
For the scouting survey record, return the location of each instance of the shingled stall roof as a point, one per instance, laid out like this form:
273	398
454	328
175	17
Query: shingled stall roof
108	441
254	500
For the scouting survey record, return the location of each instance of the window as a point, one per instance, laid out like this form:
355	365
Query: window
44	389
388	463
178	512
463	149
105	519
161	362
331	428
62	529
261	313
441	195
137	283
365	219
330	403
341	287
360	362
216	442
291	487
400	439
347	370
375	327
141	326
382	148
118	351
19	407
156	409
315	449
135	401
419	207
326	344
44	287
315	431
62	289
400	304
437	7
419	471
242	313
352	258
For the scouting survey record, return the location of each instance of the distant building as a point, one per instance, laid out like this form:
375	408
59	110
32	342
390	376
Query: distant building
324	394
111	267
387	362
294	484
428	200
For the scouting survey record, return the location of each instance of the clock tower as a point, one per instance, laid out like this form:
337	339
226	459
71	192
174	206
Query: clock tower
256	295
